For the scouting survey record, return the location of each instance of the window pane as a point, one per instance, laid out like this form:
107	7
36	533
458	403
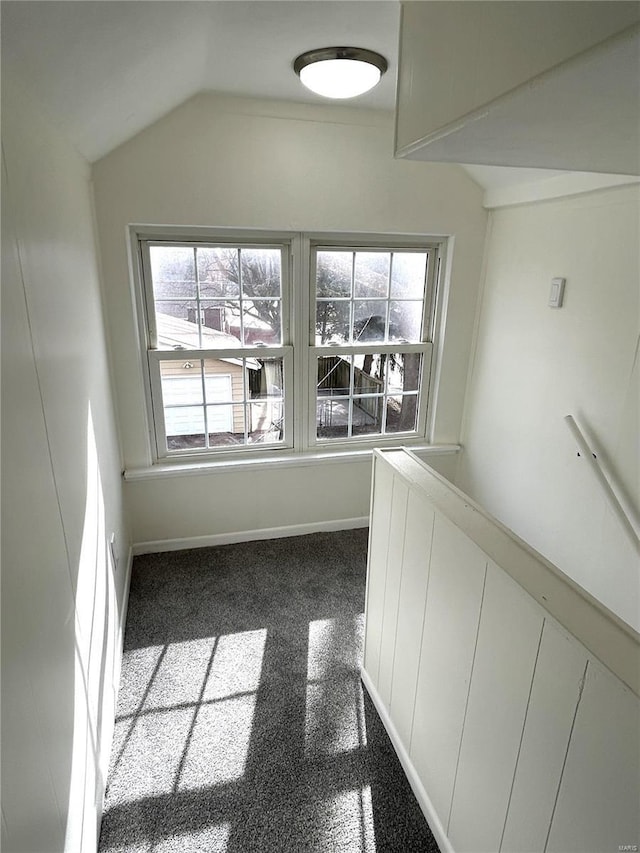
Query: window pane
371	277
403	372
332	417
366	415
180	309
223	380
184	427
266	421
230	322
334	375
261	321
261	274
333	273
408	273
332	408
369	320
368	378
265	378
172	272
368	375
405	321
218	272
219	419
181	383
214	325
402	411
174	328
226	425
332	322
187	326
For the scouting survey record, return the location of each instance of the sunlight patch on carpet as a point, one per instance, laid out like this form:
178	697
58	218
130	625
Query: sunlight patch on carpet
213	839
219	743
237	665
347	822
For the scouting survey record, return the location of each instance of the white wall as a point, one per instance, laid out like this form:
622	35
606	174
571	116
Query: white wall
535	364
217	161
62	595
475	86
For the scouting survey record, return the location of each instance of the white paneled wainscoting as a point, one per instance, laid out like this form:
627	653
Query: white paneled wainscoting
510	694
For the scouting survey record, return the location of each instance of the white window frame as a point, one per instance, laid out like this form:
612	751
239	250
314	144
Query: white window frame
298	350
143	240
425	347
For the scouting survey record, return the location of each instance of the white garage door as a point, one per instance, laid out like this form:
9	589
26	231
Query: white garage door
184	412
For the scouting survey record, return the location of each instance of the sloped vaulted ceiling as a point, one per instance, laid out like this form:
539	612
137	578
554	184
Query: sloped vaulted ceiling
106	70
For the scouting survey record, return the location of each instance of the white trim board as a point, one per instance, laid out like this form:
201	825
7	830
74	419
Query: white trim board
556	187
125	604
417	787
289	460
213	539
118	655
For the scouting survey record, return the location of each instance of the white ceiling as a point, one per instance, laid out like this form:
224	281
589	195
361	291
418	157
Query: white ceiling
108	69
582	114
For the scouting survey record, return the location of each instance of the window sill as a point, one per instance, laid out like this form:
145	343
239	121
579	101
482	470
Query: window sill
290	460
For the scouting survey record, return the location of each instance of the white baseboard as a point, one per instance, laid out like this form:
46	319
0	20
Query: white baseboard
417	787
247	535
125	597
118	654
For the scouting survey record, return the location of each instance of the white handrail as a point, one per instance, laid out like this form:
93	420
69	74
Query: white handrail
610	494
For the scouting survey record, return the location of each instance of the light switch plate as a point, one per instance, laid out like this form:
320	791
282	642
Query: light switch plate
557	292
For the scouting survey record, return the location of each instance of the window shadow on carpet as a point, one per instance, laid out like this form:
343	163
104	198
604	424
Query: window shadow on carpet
242	724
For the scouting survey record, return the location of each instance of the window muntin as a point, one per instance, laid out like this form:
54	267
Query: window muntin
370	343
218	315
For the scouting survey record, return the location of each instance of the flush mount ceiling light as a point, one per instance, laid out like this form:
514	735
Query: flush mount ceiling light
340	72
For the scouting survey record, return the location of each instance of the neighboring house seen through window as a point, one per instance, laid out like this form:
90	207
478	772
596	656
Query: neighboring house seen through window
233	326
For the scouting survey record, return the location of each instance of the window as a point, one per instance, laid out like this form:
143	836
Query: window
226	348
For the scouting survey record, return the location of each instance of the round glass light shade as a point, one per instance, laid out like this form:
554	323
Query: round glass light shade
340	72
340	78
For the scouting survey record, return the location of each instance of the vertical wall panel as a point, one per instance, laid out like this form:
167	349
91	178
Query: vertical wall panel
554	697
517	738
508	640
598	805
61	494
377	567
37	602
413	593
450	626
392	589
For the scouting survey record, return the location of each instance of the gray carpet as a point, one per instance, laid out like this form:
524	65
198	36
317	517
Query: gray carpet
242	724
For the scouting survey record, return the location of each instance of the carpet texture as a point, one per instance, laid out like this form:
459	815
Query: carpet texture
242	725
